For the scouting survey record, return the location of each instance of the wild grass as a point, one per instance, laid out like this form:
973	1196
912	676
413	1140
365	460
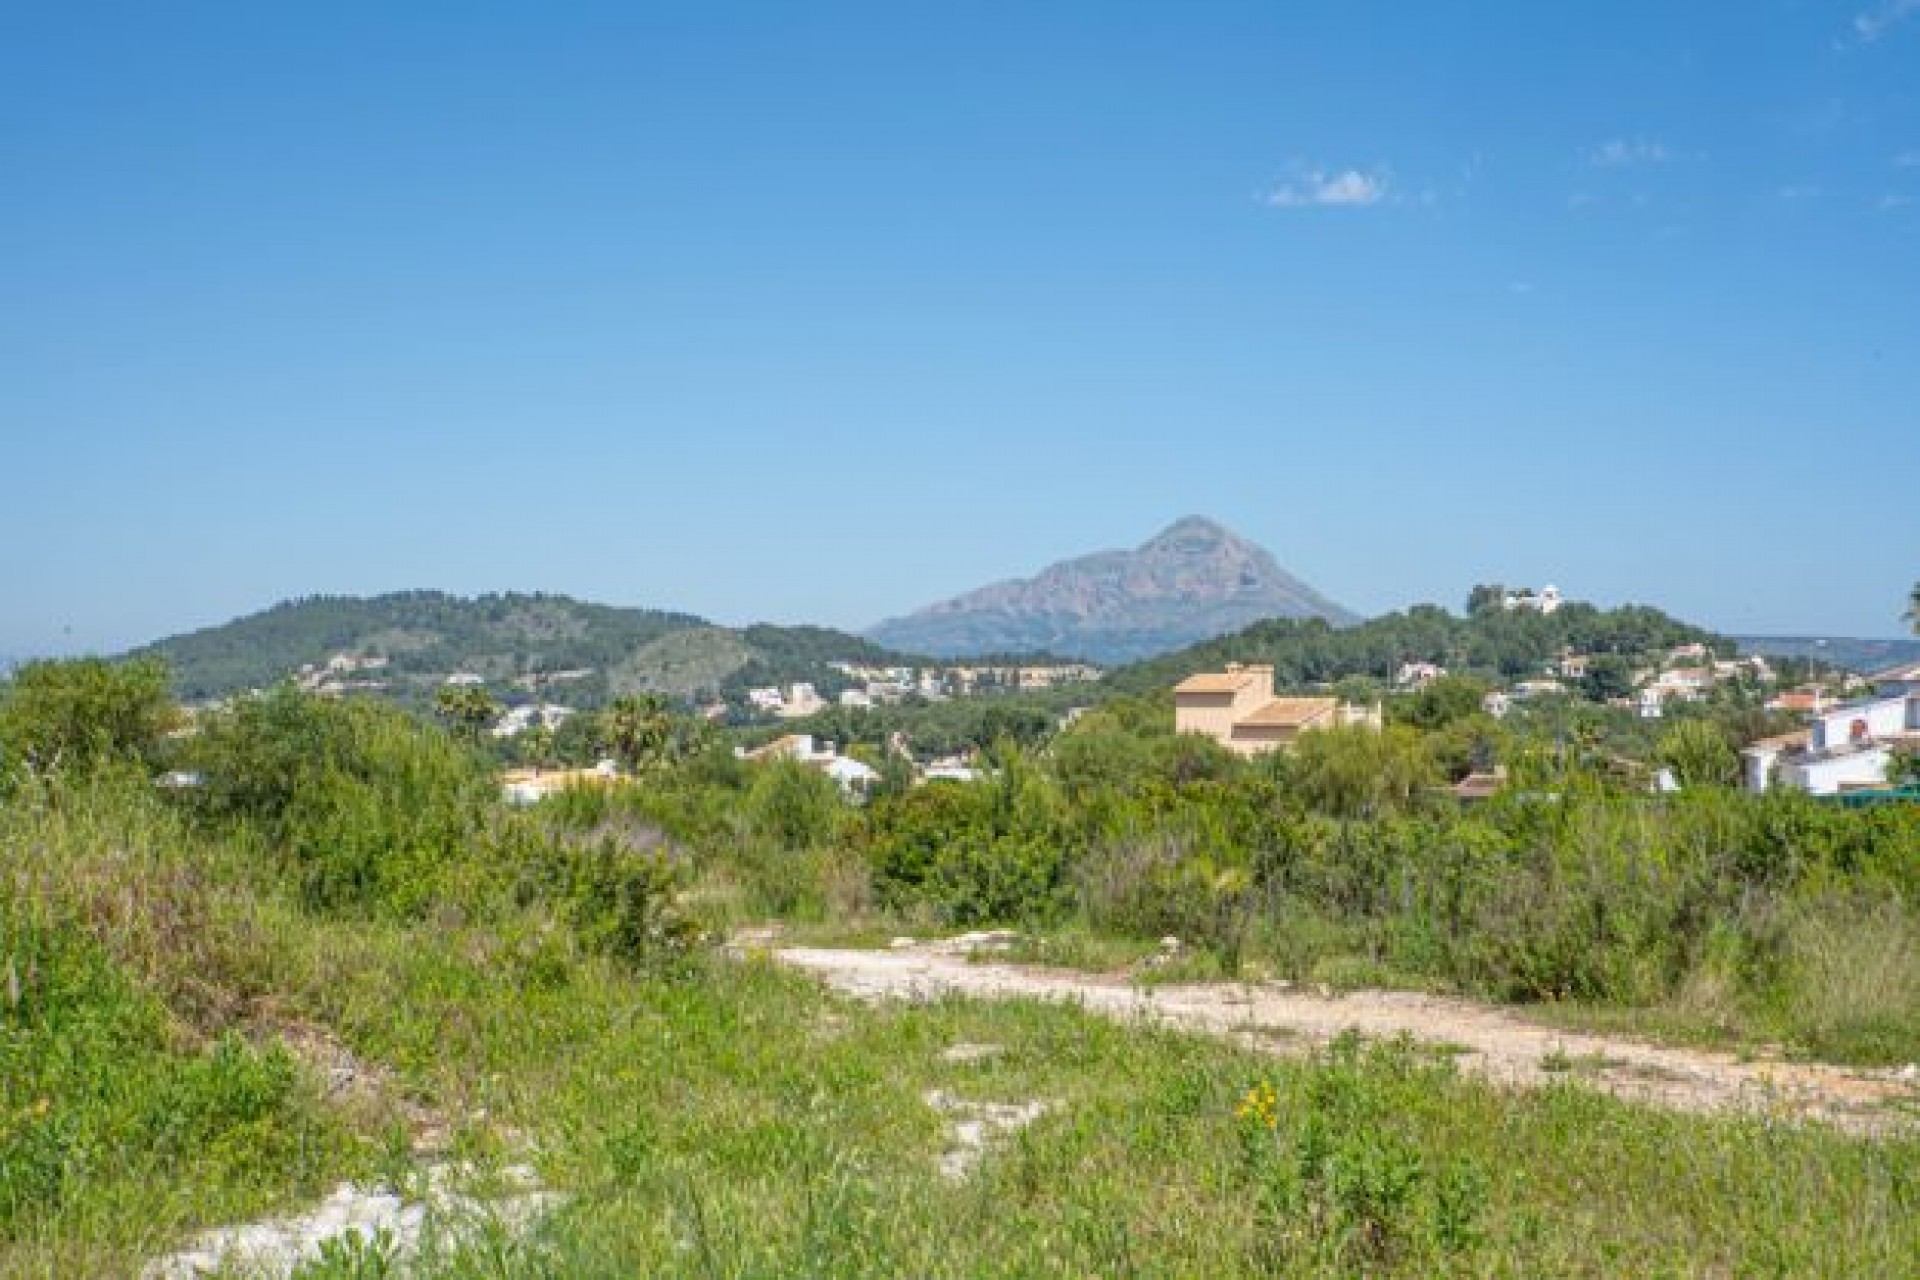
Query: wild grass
732	1119
533	986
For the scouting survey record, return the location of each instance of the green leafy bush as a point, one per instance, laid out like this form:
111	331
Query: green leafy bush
80	715
373	808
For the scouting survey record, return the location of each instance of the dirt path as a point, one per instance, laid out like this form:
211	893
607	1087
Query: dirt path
1489	1041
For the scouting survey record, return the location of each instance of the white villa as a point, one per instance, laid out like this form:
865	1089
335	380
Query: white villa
1417	675
852	776
1844	748
1546	600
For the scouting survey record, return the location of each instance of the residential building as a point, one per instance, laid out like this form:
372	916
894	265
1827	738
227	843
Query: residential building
1545	600
517	720
800	700
1481	784
852	776
1901	681
1804	700
1417	675
1883	719
529	786
1843	748
1237	708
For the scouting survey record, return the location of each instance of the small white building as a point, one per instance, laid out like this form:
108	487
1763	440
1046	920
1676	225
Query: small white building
852	776
1845	768
1900	682
1417	675
517	720
1545	600
801	700
1867	720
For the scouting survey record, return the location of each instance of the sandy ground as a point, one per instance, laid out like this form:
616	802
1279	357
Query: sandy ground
1484	1040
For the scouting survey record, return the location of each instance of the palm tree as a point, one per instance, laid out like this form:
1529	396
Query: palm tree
468	708
638	728
1913	609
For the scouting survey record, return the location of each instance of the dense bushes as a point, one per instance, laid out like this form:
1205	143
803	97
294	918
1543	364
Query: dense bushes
374	809
1345	860
1342	857
973	854
78	716
1778	914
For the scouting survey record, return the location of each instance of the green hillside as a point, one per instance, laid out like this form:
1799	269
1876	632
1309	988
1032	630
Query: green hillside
1497	644
426	635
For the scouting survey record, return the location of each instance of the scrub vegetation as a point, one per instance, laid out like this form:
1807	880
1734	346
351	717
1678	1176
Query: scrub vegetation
544	986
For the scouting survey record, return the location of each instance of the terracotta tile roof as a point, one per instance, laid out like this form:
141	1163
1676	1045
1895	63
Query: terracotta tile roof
1479	786
1215	682
1797	701
1285	712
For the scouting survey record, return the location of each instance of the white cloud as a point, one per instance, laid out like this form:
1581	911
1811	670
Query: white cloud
1871	24
1802	191
1617	153
1907	160
1888	204
1348	188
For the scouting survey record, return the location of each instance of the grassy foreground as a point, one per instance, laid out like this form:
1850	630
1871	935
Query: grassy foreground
727	1119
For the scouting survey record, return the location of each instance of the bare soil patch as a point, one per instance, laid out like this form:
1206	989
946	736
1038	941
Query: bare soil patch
1496	1043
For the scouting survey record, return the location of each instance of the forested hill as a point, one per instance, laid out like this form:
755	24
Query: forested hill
1309	651
426	635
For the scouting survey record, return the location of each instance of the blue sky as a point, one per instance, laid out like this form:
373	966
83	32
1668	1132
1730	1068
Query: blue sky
820	312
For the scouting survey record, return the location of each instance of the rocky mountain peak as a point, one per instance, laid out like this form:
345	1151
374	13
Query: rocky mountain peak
1193	580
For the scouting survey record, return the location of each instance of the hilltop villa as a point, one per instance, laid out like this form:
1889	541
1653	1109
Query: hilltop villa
1545	600
1237	709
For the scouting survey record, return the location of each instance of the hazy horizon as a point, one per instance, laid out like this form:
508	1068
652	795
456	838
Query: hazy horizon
823	313
1454	605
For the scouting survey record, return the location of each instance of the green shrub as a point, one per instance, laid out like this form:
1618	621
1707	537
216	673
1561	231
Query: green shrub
620	901
370	806
793	805
79	715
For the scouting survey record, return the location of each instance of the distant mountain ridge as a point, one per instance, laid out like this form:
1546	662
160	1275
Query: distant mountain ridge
423	636
1193	581
1851	653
